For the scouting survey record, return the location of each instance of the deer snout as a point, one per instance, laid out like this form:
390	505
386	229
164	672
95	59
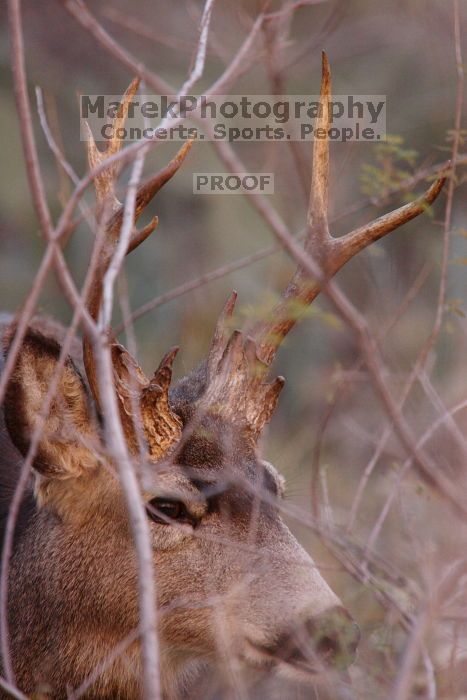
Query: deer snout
334	637
327	640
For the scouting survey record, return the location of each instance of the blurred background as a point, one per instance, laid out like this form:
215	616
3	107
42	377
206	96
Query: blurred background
325	436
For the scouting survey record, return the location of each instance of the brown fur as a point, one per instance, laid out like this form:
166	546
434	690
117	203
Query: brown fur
237	579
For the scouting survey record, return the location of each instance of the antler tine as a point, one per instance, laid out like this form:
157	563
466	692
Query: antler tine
163	428
317	220
104	182
112	228
144	195
220	336
358	239
328	252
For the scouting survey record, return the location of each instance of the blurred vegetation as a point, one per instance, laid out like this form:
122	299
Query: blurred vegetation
400	48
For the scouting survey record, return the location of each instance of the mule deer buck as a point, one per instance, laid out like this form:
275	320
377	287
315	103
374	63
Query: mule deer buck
227	567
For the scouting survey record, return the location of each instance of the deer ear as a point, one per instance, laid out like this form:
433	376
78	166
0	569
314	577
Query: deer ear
65	447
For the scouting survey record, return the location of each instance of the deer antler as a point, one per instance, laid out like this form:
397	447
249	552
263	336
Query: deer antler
162	427
328	252
236	369
235	386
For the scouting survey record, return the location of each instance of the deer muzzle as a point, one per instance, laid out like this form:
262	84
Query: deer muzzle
326	641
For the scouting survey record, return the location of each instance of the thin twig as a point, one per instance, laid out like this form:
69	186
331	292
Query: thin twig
200	57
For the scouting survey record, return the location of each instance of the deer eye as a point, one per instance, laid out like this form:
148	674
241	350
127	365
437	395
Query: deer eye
162	510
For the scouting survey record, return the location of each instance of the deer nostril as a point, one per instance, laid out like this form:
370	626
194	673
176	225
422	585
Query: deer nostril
329	639
327	647
354	636
334	637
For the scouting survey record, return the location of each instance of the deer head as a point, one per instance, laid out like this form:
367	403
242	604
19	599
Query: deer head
232	581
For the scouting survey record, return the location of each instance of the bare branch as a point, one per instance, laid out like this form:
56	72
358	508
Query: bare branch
25	117
200	58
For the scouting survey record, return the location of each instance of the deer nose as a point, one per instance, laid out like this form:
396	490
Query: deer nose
330	639
334	637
